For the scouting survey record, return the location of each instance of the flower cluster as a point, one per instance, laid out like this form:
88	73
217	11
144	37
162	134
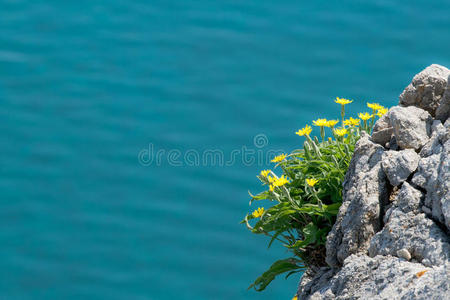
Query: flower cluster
277	182
351	122
308	194
264	173
377	110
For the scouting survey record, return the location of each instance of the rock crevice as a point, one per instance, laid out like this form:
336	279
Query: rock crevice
391	237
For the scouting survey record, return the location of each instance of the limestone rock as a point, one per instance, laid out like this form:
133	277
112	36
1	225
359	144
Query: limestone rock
359	215
398	165
443	111
433	175
406	228
310	283
382	130
392	241
426	89
380	277
412	126
408	199
382	123
382	136
439	136
423	239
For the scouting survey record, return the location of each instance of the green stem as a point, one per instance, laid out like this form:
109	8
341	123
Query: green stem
314	146
372	121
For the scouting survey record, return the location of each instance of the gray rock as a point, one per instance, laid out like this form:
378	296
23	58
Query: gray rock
420	236
382	130
382	123
365	187
426	89
434	144
393	143
433	175
407	228
393	242
443	111
311	282
382	136
398	165
380	277
408	199
412	126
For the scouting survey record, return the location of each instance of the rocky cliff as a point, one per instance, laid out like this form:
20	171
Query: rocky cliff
391	239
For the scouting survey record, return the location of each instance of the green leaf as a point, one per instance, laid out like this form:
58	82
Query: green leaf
277	268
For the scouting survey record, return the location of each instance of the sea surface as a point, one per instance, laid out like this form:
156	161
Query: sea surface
111	112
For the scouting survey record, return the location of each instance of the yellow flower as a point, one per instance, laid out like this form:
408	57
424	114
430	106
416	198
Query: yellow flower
280	181
295	298
277	182
311	182
320	122
374	106
264	173
331	123
279	158
271	179
351	122
342	101
365	116
304	131
340	132
258	212
382	111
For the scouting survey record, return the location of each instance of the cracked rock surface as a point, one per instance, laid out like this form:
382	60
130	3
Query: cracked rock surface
398	165
391	239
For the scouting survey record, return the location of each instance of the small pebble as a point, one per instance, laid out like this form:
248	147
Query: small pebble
403	253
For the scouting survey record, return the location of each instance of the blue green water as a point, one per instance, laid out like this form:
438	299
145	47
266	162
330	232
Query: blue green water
85	86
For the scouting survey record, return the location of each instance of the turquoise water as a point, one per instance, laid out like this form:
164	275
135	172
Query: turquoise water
87	86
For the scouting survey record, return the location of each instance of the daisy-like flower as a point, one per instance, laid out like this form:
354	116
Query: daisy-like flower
365	116
304	131
342	101
311	181
340	131
382	111
280	181
278	158
277	182
258	212
271	179
320	122
351	122
331	123
374	106
264	173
